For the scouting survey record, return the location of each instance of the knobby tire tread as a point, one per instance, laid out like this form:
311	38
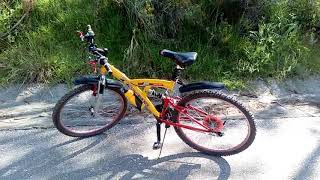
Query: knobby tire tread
60	104
219	95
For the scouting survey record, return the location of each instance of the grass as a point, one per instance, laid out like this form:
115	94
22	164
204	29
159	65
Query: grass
45	47
312	64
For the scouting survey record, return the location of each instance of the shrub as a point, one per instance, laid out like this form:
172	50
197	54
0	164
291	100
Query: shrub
235	39
273	51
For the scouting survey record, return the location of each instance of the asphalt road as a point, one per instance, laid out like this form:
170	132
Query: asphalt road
287	146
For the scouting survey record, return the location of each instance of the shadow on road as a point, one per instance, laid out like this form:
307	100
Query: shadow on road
137	166
309	165
42	160
98	157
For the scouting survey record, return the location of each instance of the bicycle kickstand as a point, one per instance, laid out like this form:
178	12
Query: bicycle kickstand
164	136
157	144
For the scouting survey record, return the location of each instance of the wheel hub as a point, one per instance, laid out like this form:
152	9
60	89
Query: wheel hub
218	123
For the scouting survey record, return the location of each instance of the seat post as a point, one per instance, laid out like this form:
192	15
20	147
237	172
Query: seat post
176	73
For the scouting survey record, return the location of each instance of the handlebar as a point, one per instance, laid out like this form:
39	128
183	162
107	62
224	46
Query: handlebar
89	37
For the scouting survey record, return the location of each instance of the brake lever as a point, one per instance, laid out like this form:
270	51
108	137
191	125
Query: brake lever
80	33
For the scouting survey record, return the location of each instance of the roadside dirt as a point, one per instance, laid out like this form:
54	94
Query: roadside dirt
30	106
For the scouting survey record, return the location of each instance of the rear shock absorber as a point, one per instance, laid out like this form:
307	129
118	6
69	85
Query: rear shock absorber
153	93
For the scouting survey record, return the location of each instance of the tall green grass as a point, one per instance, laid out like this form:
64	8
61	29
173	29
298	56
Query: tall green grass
235	41
47	48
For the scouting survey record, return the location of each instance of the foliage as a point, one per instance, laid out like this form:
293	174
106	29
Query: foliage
47	48
235	39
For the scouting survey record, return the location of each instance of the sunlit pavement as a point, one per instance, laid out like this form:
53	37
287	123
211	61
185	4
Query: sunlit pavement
287	146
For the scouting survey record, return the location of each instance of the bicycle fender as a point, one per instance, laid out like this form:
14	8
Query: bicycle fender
94	80
115	84
86	80
200	86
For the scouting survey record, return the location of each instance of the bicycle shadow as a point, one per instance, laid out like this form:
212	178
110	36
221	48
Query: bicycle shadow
43	159
184	169
99	157
137	166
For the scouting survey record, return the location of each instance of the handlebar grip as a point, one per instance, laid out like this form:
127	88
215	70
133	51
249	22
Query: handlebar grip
89	36
90	31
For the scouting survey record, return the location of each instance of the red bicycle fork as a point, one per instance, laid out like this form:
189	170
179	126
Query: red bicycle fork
93	65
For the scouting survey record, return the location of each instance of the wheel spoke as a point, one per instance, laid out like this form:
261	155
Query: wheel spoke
75	117
237	135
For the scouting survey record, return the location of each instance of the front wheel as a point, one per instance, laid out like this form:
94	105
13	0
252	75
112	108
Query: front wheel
80	113
238	130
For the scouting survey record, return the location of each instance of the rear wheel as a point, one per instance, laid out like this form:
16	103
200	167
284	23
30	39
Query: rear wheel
238	132
76	114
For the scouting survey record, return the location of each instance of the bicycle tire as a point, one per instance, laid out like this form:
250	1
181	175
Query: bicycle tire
59	124
220	96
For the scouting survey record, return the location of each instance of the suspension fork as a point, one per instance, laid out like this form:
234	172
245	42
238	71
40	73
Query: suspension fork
97	92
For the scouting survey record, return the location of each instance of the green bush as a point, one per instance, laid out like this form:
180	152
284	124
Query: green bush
47	48
273	51
236	39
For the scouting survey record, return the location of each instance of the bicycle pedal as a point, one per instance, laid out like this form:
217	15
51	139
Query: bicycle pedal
220	134
156	145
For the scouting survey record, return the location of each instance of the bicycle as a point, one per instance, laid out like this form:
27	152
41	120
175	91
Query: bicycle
203	116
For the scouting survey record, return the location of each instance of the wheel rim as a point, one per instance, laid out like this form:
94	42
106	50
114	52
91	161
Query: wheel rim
236	129
76	115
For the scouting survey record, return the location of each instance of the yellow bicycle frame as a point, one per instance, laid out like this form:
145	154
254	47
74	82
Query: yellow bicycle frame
135	84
